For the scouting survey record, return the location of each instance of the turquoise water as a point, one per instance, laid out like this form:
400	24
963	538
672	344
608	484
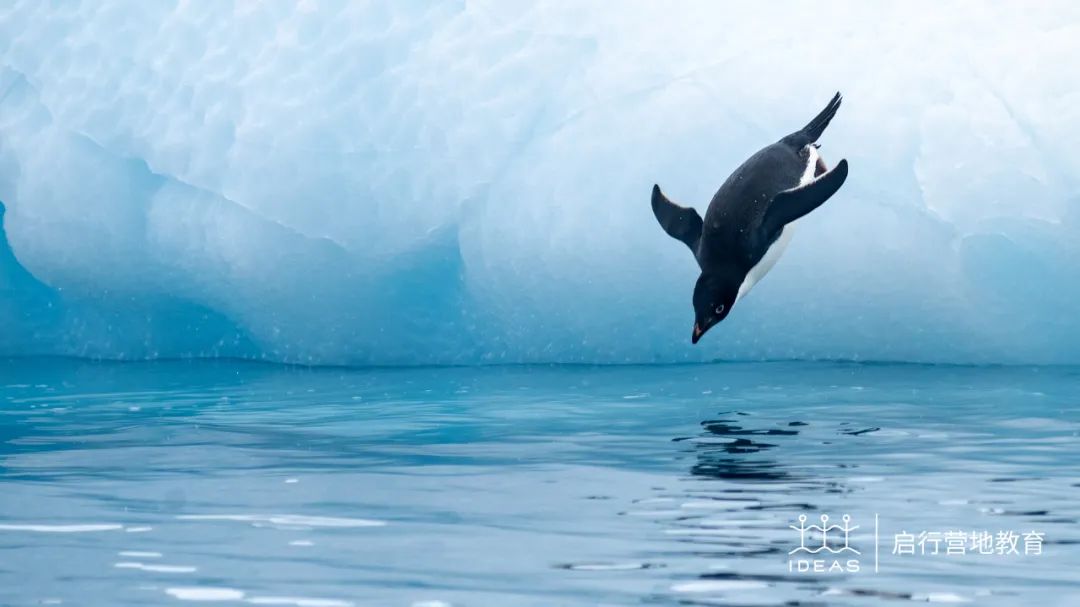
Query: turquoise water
233	483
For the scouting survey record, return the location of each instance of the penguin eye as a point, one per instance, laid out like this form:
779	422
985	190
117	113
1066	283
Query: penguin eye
720	309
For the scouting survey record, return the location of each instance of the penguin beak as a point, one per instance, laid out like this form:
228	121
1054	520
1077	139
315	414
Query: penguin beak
698	332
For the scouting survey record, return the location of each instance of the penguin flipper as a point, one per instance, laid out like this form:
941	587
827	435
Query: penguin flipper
681	223
789	205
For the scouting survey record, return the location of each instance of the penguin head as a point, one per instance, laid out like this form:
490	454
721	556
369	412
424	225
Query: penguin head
714	295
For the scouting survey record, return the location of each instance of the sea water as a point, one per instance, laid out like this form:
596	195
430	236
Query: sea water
239	483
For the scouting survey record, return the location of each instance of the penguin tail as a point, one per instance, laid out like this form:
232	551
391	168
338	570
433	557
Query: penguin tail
813	130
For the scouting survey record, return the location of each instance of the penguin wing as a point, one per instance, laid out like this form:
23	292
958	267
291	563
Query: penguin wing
681	223
789	205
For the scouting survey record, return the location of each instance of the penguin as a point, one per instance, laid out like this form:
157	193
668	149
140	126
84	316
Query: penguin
749	220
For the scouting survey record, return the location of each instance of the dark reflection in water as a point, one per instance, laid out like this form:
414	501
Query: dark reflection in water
723	448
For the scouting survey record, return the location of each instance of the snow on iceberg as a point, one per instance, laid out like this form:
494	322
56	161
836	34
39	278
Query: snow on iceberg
459	182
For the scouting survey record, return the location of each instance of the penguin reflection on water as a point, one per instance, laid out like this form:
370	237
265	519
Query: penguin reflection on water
748	223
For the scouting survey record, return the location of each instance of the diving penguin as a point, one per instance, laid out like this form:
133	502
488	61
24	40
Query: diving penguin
748	223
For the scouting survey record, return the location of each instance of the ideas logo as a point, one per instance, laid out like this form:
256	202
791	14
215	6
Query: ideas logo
827	548
824	548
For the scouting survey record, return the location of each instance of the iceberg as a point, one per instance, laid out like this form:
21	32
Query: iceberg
396	183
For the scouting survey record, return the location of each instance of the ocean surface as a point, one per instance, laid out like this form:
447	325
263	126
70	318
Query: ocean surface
231	483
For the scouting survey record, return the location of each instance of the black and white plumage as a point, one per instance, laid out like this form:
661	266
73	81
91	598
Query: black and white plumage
748	223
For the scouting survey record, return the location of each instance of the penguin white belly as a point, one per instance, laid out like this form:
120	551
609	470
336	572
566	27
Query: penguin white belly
776	249
767	261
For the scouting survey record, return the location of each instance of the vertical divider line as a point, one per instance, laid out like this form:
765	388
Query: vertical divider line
876	548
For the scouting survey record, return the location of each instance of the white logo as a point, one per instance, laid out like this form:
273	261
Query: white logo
827	548
822	547
824	528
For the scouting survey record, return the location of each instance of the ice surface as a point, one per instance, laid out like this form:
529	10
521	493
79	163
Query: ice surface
458	182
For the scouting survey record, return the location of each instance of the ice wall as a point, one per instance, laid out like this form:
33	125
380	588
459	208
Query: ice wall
456	182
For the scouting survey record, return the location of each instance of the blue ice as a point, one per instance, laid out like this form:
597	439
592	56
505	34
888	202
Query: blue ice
464	182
